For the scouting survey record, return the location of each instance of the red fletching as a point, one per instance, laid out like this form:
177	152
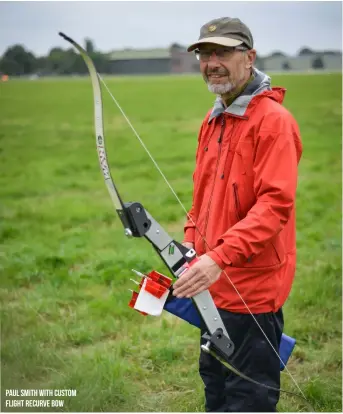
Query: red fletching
160	279
133	299
133	302
155	288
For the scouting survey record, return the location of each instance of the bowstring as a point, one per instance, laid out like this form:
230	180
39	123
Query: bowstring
197	229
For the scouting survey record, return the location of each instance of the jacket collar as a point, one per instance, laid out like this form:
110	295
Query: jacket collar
260	83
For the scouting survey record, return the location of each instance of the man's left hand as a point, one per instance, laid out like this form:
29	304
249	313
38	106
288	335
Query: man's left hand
197	278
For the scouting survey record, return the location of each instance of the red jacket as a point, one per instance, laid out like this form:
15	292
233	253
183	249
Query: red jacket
243	201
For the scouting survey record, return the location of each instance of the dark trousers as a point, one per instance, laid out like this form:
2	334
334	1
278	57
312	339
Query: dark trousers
253	356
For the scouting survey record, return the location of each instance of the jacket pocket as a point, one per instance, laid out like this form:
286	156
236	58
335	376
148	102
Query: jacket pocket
279	249
237	203
273	255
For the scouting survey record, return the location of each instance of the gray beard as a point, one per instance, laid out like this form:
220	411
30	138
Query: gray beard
220	89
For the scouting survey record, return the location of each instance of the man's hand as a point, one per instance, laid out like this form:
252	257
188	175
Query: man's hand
197	278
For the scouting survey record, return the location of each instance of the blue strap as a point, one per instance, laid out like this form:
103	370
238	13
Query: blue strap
185	309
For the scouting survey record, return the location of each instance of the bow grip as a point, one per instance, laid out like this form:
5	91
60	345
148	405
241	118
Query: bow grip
183	269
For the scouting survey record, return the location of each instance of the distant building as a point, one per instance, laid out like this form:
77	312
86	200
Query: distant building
176	59
140	62
275	62
183	61
328	61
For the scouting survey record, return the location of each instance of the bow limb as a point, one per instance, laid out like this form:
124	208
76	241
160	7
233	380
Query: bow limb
232	368
99	134
131	217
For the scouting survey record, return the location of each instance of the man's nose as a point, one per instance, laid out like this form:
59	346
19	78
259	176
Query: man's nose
213	57
213	62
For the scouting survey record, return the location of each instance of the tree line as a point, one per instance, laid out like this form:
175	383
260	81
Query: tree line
17	61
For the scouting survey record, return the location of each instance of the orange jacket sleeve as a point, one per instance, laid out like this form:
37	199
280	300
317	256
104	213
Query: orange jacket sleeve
189	227
277	153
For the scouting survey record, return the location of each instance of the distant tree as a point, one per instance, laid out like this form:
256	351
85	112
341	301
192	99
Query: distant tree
54	59
176	46
17	61
41	65
286	66
305	51
10	67
318	63
89	45
64	62
101	62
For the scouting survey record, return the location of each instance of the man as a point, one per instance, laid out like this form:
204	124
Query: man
242	220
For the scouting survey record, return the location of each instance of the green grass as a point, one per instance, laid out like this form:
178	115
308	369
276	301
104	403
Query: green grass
65	263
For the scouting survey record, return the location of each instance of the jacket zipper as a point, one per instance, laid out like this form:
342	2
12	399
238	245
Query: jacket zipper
237	203
214	179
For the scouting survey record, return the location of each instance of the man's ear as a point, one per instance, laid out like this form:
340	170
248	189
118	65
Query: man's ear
250	58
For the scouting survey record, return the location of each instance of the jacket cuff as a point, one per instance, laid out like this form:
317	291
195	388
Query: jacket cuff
189	235
219	257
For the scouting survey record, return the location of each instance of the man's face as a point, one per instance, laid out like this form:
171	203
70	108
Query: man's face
223	68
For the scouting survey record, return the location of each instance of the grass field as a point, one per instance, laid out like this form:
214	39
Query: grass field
65	263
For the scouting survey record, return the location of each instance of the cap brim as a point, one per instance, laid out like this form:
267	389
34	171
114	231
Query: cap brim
222	41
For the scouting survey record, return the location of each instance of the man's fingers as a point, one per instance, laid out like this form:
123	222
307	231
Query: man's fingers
197	279
190	289
185	278
182	289
194	290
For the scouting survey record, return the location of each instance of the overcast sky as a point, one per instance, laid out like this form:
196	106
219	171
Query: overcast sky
285	26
